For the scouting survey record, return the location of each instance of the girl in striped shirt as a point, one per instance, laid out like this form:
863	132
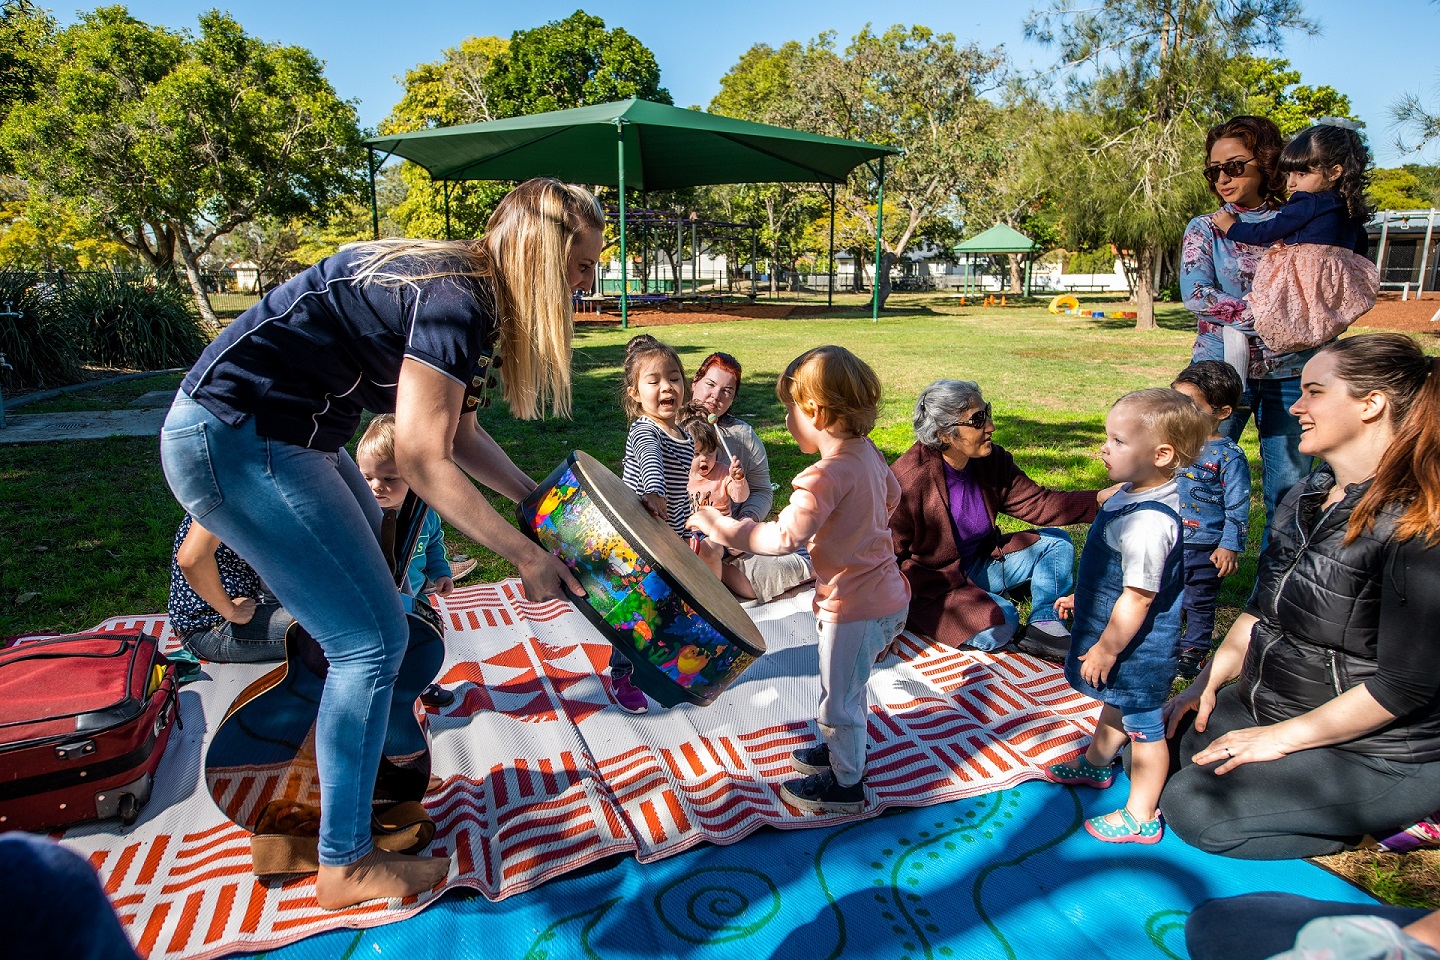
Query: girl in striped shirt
657	461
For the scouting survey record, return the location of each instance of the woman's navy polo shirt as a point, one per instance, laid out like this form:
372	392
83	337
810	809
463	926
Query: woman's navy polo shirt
322	347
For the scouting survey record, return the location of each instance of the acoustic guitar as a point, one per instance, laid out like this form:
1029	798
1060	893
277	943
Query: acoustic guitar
260	766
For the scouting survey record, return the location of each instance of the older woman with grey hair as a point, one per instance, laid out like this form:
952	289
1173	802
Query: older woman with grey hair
954	481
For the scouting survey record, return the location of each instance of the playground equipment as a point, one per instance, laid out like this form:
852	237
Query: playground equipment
1068	304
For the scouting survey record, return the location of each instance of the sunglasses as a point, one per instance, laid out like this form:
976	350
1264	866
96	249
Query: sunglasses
1231	169
978	420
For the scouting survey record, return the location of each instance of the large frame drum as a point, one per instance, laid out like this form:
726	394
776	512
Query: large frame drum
646	591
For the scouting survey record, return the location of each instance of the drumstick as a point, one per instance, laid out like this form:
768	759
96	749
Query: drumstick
714	418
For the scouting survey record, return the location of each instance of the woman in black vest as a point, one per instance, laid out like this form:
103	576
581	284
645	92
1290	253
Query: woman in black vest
1333	731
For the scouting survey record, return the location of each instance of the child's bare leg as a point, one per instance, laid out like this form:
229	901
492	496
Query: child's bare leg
713	554
1149	763
736	582
1108	740
378	875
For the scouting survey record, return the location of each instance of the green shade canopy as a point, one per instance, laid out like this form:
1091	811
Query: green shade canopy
998	239
664	148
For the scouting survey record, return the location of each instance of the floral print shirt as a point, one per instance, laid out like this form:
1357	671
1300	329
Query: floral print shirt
1215	276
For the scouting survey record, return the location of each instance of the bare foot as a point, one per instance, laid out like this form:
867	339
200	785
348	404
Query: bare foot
377	876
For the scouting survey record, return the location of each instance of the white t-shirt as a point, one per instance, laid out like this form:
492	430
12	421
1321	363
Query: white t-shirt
1143	538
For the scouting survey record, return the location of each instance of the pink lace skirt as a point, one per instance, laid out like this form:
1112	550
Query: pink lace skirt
1305	294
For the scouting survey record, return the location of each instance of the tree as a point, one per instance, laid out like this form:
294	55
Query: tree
1411	187
167	141
574	62
763	87
446	93
1145	79
571	63
25	32
1271	89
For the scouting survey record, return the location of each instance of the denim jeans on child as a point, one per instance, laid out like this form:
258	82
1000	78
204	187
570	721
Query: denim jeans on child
1282	464
1202	586
847	655
309	525
1048	565
260	639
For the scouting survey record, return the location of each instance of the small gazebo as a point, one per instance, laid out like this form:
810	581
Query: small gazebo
999	239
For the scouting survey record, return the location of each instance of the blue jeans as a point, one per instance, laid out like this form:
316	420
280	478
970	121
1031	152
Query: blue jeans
54	903
261	639
1202	587
309	525
1047	565
1282	463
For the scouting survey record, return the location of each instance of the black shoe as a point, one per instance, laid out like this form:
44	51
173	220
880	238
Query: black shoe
822	794
1191	662
436	696
1044	646
812	759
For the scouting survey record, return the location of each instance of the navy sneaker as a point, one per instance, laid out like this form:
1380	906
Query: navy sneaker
1192	660
822	794
812	759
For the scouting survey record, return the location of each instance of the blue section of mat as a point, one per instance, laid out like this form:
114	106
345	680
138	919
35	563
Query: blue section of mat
1007	875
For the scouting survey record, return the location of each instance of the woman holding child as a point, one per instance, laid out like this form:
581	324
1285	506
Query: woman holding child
1333	730
254	448
1243	171
954	481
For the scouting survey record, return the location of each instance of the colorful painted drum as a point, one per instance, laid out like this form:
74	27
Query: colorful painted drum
646	591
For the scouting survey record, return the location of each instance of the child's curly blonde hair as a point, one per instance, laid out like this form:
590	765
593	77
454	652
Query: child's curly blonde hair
378	441
834	384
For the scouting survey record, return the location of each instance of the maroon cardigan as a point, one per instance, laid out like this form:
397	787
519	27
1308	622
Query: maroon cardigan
944	604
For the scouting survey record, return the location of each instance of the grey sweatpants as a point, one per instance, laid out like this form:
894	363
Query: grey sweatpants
847	654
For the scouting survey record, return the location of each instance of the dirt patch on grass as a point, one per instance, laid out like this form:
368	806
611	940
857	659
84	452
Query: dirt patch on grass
1406	316
672	314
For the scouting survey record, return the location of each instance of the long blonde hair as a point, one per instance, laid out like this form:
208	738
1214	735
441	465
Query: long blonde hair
525	253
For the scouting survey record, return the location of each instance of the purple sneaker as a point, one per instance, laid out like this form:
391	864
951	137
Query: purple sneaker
630	698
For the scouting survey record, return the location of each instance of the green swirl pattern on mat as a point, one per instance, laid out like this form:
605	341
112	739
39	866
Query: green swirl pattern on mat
550	935
1158	925
718	905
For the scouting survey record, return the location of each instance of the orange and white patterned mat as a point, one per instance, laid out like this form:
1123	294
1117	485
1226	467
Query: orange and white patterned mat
543	774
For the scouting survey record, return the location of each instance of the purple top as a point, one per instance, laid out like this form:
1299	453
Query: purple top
967	511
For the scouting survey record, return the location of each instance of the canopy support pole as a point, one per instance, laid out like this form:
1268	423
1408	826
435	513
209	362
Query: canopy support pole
374	201
830	294
624	266
879	233
446	185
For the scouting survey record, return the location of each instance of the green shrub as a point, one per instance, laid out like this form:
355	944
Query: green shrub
42	344
1092	261
134	321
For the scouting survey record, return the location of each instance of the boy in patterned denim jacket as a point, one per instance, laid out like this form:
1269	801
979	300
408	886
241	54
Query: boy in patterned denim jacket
1214	507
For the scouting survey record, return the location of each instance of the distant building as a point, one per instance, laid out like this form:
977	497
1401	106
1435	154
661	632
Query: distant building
1403	244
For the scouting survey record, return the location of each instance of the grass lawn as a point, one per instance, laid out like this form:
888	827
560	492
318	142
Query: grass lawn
88	525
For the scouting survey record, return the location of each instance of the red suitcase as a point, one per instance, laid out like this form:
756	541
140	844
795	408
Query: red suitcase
84	720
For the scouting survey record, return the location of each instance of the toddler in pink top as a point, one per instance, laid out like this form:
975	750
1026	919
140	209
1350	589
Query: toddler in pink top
840	508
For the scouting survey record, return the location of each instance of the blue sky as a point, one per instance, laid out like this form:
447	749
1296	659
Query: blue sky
1371	51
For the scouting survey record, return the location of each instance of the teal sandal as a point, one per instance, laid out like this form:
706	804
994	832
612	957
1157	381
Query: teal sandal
1130	831
1082	773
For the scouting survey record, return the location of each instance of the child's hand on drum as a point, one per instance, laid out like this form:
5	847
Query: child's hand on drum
655	505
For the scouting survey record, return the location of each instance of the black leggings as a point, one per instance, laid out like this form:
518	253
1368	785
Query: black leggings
1307	804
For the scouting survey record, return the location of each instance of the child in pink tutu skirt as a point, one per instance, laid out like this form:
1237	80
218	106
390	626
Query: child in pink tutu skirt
1312	284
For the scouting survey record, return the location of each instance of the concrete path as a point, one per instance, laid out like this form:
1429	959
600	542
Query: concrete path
82	425
144	418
